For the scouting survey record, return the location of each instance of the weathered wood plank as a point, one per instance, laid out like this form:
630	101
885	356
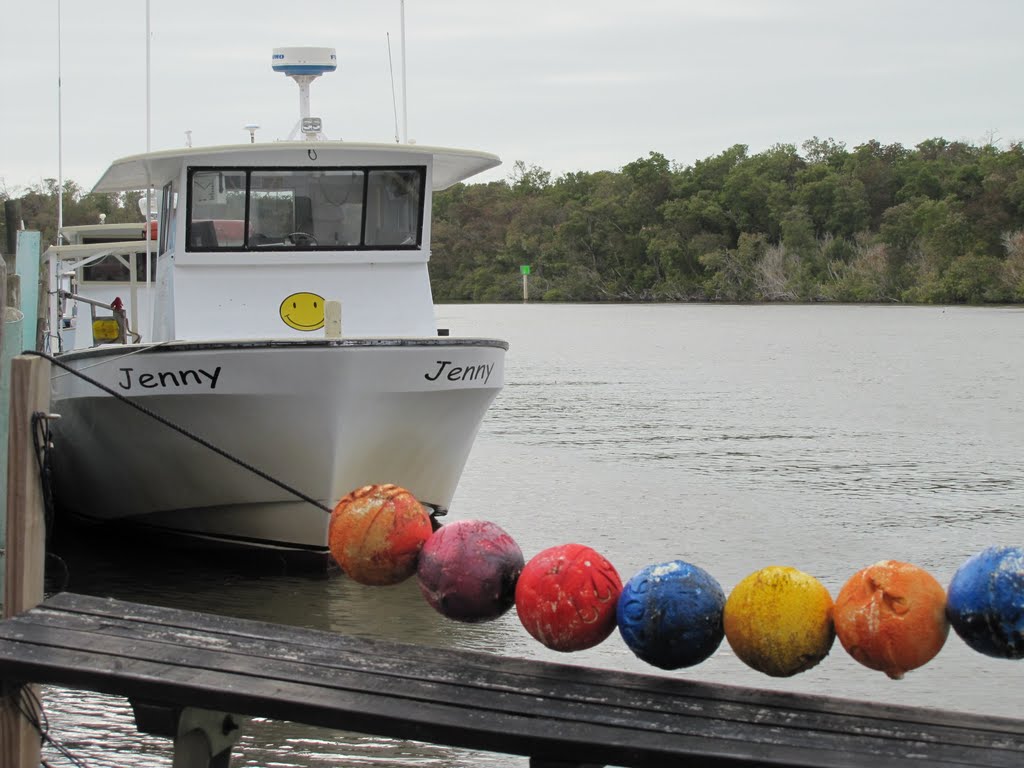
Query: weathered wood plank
524	676
441	677
551	712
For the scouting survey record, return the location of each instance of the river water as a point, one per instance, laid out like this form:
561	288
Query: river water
734	437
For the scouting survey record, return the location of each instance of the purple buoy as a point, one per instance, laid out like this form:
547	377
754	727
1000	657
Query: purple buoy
985	602
468	570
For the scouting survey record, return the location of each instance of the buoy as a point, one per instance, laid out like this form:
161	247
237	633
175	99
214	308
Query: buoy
778	620
468	570
891	617
566	597
376	533
670	615
986	602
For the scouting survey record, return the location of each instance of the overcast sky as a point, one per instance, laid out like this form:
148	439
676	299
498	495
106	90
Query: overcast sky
565	85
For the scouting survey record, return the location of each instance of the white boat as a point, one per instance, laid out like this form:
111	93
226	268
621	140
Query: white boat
252	243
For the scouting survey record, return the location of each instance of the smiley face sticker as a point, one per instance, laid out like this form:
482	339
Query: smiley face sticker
303	311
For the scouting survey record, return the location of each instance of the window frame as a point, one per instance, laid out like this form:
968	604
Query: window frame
248	170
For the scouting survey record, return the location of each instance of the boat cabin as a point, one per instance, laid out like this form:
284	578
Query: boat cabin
251	240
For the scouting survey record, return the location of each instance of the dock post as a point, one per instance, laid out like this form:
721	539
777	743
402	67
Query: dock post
28	265
3	432
204	739
26	545
12	219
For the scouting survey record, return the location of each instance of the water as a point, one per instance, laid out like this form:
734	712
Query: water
822	437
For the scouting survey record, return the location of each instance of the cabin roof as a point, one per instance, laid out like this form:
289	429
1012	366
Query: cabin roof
75	252
156	168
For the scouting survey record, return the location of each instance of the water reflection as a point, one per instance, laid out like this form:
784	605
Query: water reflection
101	729
826	438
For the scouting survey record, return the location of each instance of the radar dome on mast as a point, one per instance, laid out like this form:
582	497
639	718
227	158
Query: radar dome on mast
304	65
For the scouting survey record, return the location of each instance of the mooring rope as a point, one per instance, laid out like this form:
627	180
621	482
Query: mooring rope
42	444
31	708
181	430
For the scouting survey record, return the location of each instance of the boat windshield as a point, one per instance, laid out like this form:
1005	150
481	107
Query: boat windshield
251	209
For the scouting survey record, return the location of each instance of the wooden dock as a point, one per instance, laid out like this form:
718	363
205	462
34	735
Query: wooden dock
185	672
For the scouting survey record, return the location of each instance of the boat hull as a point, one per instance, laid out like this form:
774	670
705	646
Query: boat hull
322	418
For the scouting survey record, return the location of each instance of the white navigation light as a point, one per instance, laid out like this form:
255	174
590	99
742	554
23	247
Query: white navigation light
303	65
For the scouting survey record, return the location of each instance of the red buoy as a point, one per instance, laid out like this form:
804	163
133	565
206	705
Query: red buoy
468	570
376	534
566	597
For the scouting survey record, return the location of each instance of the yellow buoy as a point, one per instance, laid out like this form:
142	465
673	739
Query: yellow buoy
779	621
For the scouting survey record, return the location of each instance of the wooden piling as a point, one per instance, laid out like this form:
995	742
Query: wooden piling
26	544
13	225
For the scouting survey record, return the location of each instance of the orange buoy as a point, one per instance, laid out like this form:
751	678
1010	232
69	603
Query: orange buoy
891	616
376	533
566	597
778	620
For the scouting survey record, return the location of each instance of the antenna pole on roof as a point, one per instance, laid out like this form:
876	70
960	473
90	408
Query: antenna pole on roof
149	197
405	103
394	104
304	65
60	143
148	110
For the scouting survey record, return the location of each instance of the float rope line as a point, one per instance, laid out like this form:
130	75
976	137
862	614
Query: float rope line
181	430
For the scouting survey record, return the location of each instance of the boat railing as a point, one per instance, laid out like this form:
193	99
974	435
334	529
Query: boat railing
110	329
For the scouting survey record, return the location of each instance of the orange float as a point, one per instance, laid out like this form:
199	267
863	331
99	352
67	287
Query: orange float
376	533
891	616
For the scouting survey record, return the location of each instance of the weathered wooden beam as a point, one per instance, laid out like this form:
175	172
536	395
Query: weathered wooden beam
26	546
557	715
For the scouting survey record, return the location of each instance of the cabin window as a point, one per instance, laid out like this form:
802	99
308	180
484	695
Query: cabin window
392	205
290	208
217	210
111	269
168	208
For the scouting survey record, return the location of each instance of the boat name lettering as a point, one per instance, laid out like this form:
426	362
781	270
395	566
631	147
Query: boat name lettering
460	372
169	378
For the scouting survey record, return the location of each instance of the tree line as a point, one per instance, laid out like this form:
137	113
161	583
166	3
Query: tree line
38	208
940	223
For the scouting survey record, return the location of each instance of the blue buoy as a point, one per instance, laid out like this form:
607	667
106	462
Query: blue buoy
670	615
985	602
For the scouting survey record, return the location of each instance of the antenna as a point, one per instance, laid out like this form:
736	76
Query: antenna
60	143
150	214
251	128
405	105
394	104
304	65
